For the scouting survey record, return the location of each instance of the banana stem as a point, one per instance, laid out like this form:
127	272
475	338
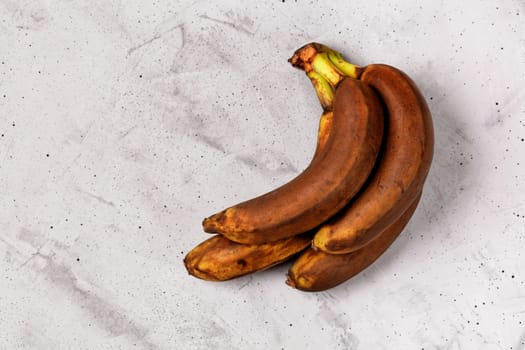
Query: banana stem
323	89
326	68
347	68
325	61
322	65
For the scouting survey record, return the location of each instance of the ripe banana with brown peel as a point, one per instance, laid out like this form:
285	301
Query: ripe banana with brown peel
403	165
325	186
315	270
219	259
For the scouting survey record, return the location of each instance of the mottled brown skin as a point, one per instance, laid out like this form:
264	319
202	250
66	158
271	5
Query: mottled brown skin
402	169
219	259
315	270
325	186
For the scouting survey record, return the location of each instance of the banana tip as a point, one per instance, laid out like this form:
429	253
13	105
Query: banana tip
213	223
289	281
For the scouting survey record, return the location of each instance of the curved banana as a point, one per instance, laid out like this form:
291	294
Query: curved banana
403	165
315	270
219	259
325	186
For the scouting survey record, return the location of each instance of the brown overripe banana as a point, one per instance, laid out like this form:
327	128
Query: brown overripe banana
219	259
315	270
325	186
405	160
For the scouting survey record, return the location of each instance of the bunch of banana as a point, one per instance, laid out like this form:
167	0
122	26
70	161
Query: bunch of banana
374	150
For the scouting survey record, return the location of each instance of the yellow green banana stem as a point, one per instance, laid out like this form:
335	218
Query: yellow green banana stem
347	68
323	89
325	61
323	66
